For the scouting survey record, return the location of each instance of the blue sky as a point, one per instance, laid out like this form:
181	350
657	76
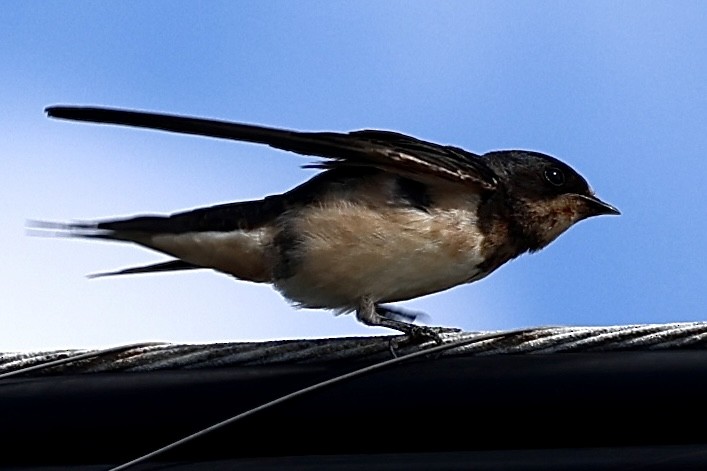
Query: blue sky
616	89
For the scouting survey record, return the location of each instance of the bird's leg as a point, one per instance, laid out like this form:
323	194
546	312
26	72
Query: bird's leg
374	315
371	314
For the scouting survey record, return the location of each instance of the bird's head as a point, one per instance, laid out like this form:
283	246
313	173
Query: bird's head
545	195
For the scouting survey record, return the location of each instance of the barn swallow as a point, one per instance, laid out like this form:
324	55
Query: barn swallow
390	217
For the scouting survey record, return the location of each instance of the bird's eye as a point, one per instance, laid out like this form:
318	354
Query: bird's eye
555	176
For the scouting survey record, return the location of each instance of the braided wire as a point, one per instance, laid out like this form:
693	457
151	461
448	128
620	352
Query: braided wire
541	340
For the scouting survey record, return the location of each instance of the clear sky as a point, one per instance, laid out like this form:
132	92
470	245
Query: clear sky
616	89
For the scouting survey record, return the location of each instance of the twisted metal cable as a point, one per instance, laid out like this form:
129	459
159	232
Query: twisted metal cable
542	340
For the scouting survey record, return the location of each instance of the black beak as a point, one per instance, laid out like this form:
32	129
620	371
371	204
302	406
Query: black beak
598	207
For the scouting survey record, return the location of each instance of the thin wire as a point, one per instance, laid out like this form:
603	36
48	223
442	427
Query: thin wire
77	357
316	386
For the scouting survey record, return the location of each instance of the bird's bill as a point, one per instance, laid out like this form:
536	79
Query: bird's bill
597	207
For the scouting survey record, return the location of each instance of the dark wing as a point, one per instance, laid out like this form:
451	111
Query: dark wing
390	151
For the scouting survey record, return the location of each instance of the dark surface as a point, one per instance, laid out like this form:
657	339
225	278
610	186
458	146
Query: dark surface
561	411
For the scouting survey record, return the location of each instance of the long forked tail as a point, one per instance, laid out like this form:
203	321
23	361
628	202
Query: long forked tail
230	238
92	231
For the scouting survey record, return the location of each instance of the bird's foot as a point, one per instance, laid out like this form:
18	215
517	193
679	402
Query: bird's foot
400	320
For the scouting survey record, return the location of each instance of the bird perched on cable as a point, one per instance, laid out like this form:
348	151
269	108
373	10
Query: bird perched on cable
389	218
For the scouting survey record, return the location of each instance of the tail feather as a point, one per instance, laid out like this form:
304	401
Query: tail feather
60	229
172	265
96	230
241	253
243	215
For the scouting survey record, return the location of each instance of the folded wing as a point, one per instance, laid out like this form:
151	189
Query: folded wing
389	151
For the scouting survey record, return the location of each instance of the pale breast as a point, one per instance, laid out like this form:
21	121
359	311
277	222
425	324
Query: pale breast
348	250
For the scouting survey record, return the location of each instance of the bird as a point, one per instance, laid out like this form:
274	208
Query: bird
388	218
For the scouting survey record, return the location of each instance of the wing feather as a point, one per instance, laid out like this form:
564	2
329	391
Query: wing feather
387	150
